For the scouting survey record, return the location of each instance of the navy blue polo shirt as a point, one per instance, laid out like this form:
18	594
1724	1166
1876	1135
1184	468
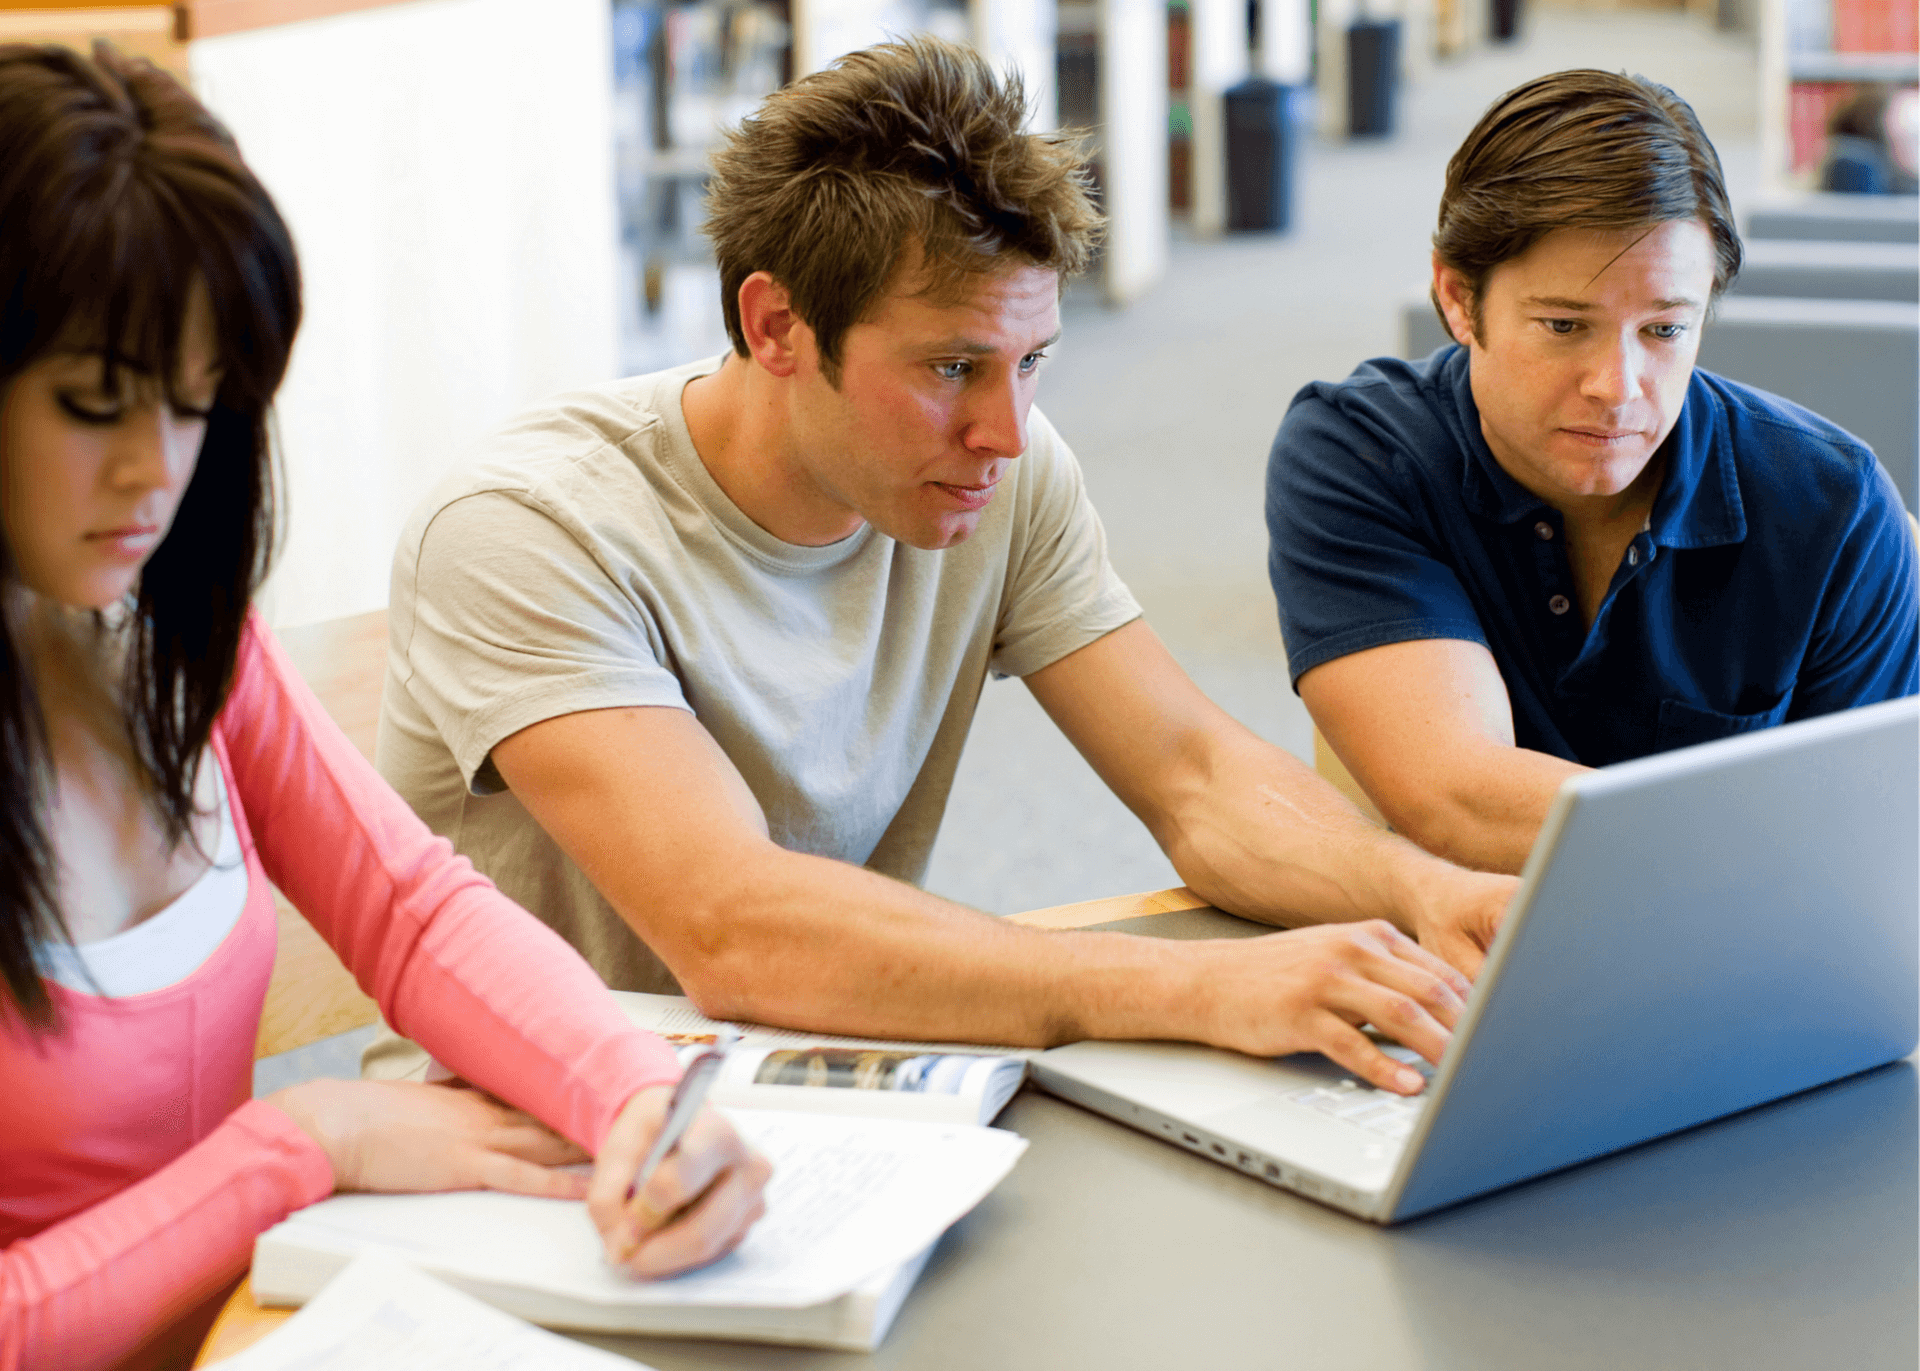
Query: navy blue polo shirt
1775	579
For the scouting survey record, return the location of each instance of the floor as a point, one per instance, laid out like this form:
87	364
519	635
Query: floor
1171	405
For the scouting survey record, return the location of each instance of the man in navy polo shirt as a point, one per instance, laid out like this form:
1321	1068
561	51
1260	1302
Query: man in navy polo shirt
1559	545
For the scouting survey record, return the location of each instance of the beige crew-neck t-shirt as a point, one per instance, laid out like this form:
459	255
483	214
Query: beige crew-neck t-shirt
587	560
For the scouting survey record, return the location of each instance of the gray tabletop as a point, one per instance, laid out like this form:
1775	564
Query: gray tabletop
1785	1237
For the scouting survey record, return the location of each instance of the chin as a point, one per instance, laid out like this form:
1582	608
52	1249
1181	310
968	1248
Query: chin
98	594
938	535
1603	476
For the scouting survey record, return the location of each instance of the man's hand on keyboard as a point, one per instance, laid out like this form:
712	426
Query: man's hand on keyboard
1310	989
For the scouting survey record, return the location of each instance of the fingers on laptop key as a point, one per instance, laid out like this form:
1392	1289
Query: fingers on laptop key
1358	1053
1435	961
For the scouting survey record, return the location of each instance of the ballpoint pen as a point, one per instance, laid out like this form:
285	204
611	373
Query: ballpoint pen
688	1096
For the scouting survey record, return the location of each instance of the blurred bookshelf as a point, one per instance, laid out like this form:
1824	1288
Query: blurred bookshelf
685	71
1815	57
682	74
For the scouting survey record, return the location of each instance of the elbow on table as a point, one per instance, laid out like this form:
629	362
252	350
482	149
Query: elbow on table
712	954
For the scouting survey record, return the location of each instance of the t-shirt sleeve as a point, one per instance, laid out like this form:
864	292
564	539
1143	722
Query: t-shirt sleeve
1061	591
1352	563
1866	644
511	621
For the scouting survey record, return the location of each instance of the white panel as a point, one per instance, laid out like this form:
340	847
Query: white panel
1285	42
826	29
447	170
1133	118
1219	61
1019	34
1330	81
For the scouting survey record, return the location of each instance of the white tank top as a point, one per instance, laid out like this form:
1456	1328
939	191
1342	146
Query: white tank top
170	946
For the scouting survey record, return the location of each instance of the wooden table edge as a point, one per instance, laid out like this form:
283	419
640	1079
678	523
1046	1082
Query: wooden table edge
1112	909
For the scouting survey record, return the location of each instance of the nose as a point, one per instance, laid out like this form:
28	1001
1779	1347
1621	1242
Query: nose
997	417
153	448
1615	371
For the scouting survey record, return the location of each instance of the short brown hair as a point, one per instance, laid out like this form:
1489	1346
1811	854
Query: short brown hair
912	146
1579	149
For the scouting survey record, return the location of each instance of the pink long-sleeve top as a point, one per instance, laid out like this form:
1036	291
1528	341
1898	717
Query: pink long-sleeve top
135	1169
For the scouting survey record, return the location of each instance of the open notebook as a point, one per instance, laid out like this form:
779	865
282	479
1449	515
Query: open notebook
853	1211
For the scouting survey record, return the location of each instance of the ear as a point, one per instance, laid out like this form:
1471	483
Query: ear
1456	301
775	334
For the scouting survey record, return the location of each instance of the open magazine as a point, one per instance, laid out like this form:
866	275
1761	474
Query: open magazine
777	1068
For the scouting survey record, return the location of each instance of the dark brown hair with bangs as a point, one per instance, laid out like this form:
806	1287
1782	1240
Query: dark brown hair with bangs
1579	149
119	194
906	151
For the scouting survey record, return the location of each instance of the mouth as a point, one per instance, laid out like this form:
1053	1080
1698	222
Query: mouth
967	497
1602	437
128	540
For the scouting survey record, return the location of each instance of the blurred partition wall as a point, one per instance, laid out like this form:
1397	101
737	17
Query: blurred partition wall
1132	57
1219	59
446	166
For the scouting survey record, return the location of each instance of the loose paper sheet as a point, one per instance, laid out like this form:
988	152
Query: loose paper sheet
380	1314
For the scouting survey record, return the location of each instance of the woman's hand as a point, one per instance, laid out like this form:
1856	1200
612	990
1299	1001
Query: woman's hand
396	1135
695	1207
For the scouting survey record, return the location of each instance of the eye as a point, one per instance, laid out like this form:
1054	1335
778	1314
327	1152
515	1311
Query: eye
953	371
96	411
1031	362
1667	332
1561	328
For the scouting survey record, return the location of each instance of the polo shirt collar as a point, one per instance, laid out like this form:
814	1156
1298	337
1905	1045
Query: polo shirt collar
1699	503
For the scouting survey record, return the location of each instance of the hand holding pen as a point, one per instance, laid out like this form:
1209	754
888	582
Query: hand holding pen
674	1186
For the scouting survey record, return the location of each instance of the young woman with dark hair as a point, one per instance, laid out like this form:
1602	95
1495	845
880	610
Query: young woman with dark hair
163	762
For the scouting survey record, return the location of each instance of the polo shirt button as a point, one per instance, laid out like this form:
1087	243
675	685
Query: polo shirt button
1633	556
1543	531
1559	604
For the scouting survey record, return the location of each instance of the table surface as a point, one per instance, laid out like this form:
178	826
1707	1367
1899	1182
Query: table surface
1785	1237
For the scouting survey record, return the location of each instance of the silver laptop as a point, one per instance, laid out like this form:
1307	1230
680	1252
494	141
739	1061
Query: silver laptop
1695	933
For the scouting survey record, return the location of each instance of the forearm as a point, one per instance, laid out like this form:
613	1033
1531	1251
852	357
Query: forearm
493	993
1482	810
1255	831
91	1289
807	942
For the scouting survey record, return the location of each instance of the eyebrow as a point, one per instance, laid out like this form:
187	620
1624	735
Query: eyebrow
972	347
1571	306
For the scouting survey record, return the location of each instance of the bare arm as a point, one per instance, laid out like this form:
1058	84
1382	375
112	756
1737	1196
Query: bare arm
1246	824
1427	729
658	818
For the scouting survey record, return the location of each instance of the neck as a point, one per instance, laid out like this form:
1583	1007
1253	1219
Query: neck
740	420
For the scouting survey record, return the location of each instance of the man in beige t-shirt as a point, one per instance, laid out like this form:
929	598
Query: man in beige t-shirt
686	662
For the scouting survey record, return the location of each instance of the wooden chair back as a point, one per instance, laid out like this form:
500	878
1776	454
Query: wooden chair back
312	996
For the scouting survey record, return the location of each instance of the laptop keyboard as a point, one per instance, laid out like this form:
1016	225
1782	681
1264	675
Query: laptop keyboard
1377	1111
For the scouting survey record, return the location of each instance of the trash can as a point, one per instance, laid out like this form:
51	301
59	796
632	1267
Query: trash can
1373	76
1260	155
